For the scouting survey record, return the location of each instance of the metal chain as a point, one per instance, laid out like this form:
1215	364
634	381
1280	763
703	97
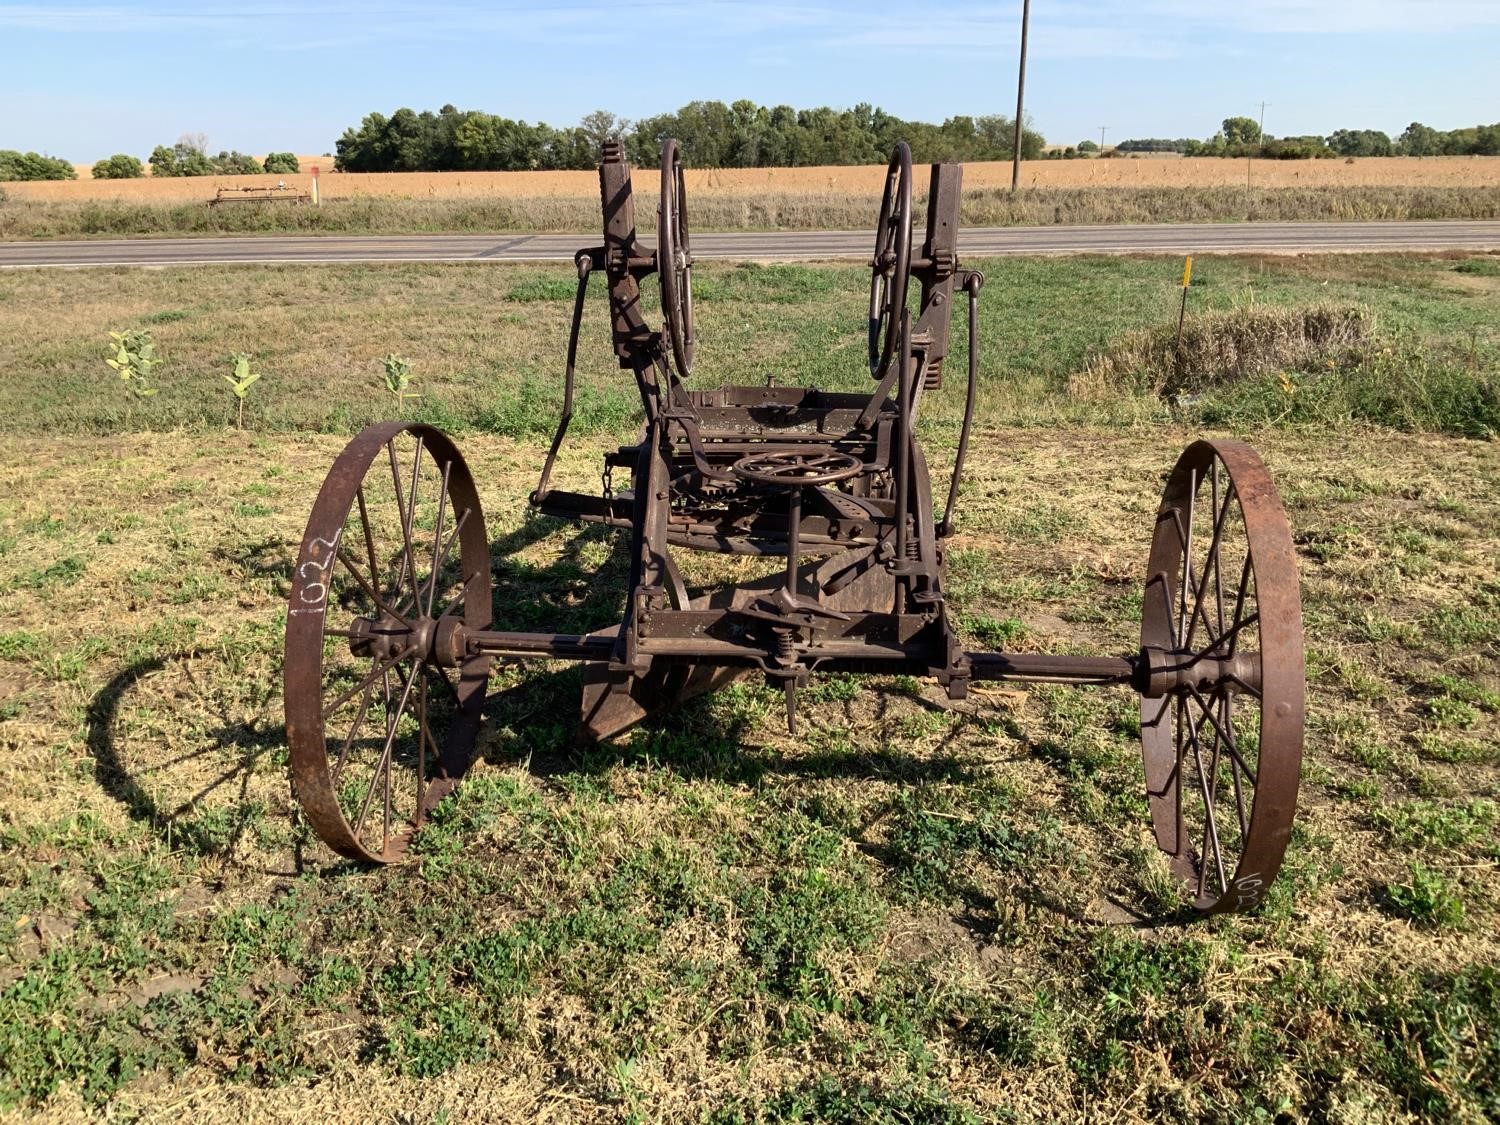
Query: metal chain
607	479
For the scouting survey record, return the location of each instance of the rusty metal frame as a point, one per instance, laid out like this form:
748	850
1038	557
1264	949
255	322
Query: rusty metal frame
838	486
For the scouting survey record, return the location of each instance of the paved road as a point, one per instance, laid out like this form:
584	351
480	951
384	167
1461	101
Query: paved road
1167	238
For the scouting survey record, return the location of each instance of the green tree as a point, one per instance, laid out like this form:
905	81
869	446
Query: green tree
282	163
1419	140
185	158
1240	131
34	166
118	167
1360	142
236	164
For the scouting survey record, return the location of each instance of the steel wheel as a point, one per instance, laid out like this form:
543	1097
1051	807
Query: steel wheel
382	701
890	268
674	259
1222	717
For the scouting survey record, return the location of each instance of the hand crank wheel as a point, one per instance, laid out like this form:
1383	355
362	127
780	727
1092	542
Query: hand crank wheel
1222	717
795	469
890	268
674	259
382	700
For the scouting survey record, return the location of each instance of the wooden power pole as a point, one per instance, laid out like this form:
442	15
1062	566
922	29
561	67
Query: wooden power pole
1015	168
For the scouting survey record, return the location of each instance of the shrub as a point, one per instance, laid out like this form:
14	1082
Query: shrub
281	162
1222	348
182	159
236	164
34	166
120	166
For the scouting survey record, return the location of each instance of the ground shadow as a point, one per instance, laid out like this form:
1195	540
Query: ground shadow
214	818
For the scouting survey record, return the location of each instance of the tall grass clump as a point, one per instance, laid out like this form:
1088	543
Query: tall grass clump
1227	347
1322	363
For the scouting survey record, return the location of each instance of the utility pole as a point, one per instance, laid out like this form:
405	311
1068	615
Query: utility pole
1261	139
1102	130
1015	167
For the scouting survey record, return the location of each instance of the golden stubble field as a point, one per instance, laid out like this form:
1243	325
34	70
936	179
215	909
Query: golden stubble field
862	180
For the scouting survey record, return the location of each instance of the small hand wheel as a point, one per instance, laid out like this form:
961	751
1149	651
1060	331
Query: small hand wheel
674	259
795	469
890	268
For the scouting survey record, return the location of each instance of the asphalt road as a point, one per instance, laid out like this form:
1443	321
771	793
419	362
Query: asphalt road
977	242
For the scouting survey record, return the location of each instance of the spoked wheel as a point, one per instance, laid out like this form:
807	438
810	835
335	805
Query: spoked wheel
382	700
674	259
1222	716
890	268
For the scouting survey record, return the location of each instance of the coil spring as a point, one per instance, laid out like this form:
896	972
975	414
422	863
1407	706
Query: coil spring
785	645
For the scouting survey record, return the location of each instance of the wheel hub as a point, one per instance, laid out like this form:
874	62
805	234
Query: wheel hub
440	641
1161	673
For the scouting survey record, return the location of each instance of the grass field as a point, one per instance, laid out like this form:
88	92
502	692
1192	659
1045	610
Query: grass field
832	198
913	912
486	341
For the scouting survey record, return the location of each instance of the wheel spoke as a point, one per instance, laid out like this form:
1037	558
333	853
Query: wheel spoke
1210	562
359	717
408	560
437	539
1224	731
379	670
1210	825
383	765
442	559
1187	563
364	520
380	602
1226	717
1228	635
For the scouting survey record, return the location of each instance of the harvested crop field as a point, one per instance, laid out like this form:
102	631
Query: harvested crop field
862	180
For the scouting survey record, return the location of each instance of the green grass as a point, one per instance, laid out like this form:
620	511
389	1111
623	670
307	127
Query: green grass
909	912
486	344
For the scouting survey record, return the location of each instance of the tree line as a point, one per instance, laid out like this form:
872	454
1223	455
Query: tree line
188	157
1241	136
711	133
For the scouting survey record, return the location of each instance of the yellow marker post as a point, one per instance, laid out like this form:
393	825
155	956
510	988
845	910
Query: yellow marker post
1187	280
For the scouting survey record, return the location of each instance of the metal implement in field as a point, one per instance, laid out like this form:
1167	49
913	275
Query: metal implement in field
390	639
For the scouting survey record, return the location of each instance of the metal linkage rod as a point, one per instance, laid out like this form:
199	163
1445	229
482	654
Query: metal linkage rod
1042	668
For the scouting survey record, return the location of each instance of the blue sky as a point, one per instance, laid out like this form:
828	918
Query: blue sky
84	80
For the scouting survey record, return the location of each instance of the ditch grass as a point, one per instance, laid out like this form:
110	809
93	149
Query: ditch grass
718	211
486	343
914	911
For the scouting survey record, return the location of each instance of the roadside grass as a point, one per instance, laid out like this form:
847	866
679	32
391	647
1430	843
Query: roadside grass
772	210
914	911
486	343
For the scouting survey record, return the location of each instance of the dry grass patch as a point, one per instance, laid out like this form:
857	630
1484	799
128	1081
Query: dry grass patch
1220	348
914	911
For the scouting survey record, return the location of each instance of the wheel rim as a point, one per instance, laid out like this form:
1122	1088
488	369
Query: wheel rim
890	268
1222	724
382	700
674	259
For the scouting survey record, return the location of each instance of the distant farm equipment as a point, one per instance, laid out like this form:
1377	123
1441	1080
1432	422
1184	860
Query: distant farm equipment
278	193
